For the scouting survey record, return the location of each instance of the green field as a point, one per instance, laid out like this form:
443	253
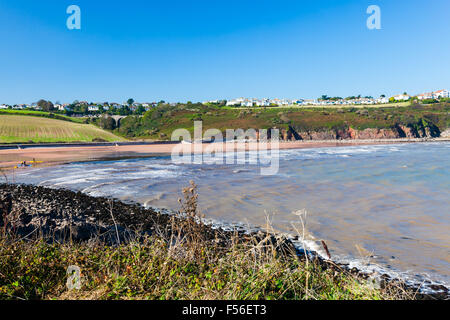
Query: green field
35	129
40	114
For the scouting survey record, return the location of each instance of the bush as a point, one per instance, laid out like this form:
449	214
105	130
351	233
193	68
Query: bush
107	122
429	101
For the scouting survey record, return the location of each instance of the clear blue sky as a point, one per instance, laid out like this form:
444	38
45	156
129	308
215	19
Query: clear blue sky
207	49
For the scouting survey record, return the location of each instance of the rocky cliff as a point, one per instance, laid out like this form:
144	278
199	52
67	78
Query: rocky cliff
398	131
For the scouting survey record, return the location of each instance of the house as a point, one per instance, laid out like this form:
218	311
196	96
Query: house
382	100
3	106
93	108
441	94
247	103
263	102
401	97
424	96
309	102
60	107
235	102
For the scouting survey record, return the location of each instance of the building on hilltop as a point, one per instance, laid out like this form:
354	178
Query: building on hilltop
441	94
402	97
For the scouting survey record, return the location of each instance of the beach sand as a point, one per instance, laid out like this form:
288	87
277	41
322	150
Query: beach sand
9	158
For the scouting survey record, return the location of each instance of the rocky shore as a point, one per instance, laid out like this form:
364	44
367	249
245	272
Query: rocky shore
63	215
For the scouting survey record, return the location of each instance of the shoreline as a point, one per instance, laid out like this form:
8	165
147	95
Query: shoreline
51	209
60	154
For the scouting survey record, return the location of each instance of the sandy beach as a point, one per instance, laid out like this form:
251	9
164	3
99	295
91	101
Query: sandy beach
9	158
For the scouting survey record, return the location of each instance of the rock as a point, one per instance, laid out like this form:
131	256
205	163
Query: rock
64	214
445	134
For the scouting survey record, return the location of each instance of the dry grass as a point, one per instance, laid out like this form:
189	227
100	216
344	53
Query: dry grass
182	263
17	128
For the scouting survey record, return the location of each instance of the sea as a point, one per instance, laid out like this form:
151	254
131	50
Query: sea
379	208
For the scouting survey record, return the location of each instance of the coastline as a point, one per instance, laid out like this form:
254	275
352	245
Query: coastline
142	152
90	218
59	154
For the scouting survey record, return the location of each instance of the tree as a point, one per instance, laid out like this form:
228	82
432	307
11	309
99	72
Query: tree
139	110
45	105
107	122
124	111
130	101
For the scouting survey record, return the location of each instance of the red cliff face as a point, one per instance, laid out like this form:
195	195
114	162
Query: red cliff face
409	132
399	131
317	135
372	133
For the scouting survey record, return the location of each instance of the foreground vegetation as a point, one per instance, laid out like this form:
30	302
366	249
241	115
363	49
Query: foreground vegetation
182	264
27	129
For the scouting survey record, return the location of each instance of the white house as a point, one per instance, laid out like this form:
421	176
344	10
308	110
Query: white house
3	106
401	97
247	103
232	103
441	94
309	102
263	102
382	100
93	108
423	96
235	102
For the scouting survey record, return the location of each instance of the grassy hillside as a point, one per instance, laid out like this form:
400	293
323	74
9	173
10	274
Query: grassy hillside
22	129
161	121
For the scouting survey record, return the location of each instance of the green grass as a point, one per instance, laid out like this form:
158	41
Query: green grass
162	121
24	129
40	114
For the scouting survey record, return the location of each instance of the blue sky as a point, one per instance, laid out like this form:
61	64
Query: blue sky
198	50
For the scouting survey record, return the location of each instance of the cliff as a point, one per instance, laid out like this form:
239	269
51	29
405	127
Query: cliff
418	130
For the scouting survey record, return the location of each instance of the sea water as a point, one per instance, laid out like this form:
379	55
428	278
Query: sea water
380	208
